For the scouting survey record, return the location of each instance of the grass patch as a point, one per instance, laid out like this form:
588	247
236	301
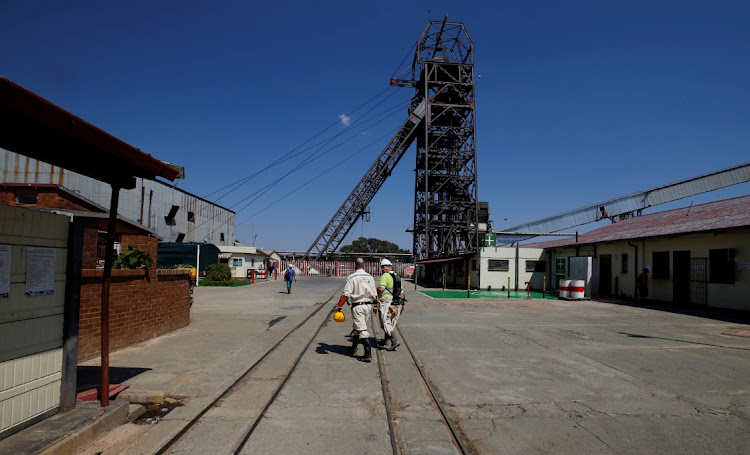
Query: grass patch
226	283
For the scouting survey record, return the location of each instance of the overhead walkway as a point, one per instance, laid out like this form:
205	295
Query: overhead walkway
627	206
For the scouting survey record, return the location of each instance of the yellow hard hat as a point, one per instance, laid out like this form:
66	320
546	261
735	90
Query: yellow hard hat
338	316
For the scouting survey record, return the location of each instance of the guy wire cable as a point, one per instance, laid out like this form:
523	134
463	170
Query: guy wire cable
280	160
390	112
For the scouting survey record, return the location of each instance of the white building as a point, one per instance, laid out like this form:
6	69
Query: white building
697	255
243	260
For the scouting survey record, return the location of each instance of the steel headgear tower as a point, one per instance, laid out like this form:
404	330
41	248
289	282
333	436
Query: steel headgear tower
441	120
445	195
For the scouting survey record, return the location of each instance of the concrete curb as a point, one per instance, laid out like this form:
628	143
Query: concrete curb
114	415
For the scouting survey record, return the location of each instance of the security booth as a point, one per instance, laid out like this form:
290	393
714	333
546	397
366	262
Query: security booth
41	258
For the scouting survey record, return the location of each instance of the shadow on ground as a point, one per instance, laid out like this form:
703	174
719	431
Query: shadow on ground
89	377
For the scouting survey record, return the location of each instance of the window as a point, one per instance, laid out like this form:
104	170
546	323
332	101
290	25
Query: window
26	198
560	266
721	266
498	265
221	237
237	262
536	266
473	264
660	268
169	217
191	216
101	244
624	263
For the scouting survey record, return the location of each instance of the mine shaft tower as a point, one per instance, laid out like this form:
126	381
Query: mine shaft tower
445	186
441	120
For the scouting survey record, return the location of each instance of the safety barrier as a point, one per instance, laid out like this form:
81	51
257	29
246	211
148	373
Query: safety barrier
339	268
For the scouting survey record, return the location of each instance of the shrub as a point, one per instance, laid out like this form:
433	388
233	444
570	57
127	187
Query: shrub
218	272
132	259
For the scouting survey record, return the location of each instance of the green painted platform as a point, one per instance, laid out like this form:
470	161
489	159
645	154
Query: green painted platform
476	294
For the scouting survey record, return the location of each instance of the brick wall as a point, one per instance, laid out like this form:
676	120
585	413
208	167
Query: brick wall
46	196
144	303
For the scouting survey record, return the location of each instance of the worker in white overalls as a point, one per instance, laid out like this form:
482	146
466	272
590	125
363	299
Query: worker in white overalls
362	294
390	306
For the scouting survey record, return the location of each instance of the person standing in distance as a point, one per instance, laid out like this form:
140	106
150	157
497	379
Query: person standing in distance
390	306
290	275
362	294
643	284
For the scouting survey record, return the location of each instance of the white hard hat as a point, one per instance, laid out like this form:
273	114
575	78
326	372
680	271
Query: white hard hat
385	262
290	266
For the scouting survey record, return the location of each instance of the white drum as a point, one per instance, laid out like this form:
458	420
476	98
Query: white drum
564	289
577	287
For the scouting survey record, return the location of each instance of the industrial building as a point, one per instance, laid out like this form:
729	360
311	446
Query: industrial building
173	214
696	256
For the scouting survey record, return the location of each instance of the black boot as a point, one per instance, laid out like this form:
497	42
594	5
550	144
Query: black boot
383	341
394	342
353	349
368	350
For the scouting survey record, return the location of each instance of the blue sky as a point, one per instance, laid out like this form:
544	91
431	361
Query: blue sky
578	102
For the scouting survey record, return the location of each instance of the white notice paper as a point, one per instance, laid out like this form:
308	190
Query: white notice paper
40	271
4	271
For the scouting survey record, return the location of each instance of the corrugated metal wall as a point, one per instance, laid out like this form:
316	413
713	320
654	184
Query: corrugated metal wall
149	203
31	327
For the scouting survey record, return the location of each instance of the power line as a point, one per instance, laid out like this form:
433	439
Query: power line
387	113
389	134
246	179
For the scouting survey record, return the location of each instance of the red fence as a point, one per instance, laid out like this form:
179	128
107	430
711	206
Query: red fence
341	268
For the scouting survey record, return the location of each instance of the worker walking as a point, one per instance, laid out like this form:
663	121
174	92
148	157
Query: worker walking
391	303
289	276
362	294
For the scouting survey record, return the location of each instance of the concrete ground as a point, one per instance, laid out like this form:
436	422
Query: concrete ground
518	376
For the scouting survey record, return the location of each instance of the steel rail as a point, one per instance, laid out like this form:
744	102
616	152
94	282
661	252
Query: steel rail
383	384
280	387
451	426
231	388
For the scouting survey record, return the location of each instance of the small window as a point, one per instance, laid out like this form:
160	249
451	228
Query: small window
624	263
536	266
191	216
721	266
26	198
498	265
237	262
221	237
660	269
252	262
560	266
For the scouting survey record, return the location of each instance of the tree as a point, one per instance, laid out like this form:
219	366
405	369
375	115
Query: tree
373	246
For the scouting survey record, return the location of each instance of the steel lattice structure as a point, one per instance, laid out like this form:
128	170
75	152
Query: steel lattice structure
445	199
356	204
441	119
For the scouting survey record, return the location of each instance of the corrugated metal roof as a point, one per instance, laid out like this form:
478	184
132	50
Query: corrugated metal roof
725	214
35	127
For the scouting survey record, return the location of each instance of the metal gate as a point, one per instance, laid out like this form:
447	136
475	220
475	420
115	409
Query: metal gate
698	281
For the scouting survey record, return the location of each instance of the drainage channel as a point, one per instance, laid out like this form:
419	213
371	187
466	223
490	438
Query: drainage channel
155	412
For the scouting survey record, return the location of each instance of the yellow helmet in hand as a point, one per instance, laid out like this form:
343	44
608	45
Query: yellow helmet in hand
338	316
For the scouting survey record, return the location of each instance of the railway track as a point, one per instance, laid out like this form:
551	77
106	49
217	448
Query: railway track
308	330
